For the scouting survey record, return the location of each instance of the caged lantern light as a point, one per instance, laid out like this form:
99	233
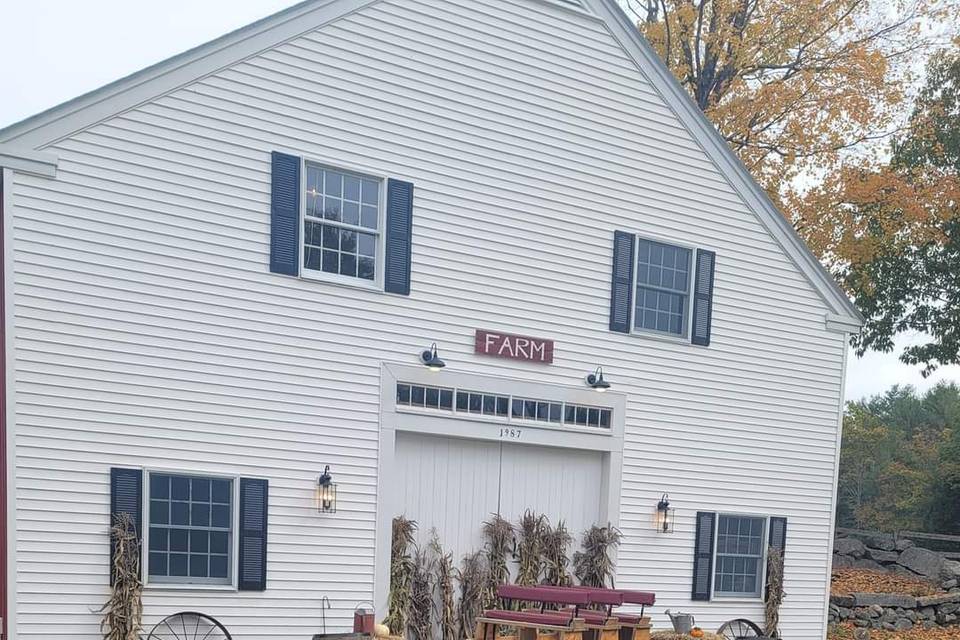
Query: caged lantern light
326	492
664	515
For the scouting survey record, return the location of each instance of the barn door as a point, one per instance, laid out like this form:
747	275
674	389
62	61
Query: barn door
453	485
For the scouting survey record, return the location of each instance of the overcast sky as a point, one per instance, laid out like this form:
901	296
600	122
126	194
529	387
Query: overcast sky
54	50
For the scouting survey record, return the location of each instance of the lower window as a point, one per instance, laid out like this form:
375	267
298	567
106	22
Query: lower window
190	529
739	556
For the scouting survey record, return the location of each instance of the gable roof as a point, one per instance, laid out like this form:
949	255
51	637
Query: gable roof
39	131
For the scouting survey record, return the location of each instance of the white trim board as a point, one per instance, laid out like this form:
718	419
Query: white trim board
80	113
392	421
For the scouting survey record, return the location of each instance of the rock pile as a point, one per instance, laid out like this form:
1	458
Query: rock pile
884	553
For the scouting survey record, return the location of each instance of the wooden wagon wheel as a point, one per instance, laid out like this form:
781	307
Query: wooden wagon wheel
739	628
189	625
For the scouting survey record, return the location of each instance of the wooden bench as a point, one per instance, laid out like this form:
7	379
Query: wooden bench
536	625
630	627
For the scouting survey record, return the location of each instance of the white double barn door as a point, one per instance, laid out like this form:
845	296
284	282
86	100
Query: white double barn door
453	485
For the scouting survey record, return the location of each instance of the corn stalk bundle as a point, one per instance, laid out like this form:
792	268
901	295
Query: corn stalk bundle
774	592
123	611
593	565
530	538
472	577
444	575
556	541
420	612
401	573
499	537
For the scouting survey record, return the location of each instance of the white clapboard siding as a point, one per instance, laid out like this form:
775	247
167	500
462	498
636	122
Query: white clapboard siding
149	332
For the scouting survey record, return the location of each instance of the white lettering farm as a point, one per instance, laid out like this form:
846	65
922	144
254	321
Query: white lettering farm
506	345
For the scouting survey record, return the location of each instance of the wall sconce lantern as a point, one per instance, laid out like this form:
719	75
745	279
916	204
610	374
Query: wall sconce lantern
596	382
664	515
326	492
430	358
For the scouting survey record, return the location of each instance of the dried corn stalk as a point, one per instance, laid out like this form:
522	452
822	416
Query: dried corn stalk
774	592
593	566
444	575
556	542
123	612
472	577
530	540
499	537
401	572
420	611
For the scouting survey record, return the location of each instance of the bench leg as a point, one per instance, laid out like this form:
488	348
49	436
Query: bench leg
641	632
483	629
571	635
609	634
525	633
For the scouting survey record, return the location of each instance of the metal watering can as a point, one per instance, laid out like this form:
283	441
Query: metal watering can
682	622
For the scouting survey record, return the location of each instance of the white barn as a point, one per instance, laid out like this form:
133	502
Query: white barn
219	274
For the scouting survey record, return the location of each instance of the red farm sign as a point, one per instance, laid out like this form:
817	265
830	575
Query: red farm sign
506	345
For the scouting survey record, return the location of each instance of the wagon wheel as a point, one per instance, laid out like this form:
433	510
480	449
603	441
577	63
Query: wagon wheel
189	625
739	628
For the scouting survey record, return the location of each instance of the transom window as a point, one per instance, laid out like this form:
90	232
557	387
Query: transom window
511	408
739	555
190	529
341	223
663	286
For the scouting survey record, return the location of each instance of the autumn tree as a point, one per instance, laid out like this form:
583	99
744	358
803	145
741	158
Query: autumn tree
809	93
908	276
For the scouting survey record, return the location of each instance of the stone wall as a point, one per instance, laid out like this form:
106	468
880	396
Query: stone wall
896	611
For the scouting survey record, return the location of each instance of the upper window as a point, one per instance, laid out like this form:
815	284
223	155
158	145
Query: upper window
663	287
739	555
341	223
190	529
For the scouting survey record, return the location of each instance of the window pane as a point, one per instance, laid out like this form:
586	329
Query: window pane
218	541
179	488
199	541
178	564
366	268
159	486
371	191
218	566
351	213
366	244
462	400
348	265
220	516
200	489
433	397
179	539
158	564
180	513
446	398
351	188
502	402
417	395
158	539
198	565
368	217
332	183
159	511
403	394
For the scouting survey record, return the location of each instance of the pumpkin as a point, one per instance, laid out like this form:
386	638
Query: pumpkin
696	632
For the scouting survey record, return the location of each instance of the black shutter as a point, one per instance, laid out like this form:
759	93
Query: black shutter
621	287
253	535
396	270
126	496
703	297
285	214
703	555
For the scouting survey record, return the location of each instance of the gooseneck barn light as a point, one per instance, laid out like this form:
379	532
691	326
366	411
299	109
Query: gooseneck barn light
326	492
430	358
596	382
664	515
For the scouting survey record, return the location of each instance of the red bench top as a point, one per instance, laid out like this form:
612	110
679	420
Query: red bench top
638	597
556	595
607	597
593	617
553	618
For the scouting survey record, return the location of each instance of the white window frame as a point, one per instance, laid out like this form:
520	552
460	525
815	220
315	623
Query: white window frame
688	305
764	541
380	232
193	583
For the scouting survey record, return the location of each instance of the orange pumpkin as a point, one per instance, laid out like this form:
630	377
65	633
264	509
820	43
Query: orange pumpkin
696	632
